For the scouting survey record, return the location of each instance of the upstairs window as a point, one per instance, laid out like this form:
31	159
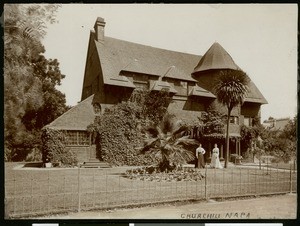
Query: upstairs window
234	120
183	84
248	121
97	108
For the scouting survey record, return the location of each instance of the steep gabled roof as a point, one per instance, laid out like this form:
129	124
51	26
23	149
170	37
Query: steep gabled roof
216	57
117	55
77	118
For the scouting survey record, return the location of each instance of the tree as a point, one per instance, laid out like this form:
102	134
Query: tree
166	141
231	89
281	143
156	104
251	135
31	99
212	124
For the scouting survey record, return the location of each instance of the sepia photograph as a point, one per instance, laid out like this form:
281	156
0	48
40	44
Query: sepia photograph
150	111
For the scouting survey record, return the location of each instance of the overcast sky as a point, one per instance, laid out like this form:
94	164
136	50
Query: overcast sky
261	38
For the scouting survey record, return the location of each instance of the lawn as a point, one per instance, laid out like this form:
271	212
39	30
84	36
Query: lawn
50	190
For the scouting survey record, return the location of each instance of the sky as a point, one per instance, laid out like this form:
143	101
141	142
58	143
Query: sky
261	39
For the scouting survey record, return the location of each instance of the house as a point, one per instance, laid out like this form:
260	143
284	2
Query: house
114	68
276	124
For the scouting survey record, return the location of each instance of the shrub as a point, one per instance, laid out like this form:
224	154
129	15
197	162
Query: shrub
34	155
153	173
54	148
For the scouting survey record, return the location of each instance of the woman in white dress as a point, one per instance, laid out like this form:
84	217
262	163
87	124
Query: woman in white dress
215	161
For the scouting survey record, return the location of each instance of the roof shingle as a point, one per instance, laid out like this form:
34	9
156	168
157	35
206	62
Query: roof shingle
216	57
77	118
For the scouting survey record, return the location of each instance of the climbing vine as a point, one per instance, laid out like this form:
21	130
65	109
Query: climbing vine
54	148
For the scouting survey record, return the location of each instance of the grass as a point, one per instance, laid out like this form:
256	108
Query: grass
45	191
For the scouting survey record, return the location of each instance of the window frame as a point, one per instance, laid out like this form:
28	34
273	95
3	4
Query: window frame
77	137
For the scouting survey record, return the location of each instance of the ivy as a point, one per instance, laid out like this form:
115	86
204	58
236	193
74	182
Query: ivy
119	129
54	148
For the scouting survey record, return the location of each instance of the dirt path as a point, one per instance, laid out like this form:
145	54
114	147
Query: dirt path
274	207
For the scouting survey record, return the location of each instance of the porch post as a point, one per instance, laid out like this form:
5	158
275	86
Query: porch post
236	146
239	146
221	150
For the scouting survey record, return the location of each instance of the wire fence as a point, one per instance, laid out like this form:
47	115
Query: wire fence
31	192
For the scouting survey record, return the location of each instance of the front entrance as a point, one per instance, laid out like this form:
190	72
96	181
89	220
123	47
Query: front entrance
92	152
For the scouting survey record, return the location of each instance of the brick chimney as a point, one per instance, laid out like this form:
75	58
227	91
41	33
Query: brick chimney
99	29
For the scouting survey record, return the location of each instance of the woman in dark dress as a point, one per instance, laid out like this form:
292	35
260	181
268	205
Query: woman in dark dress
200	157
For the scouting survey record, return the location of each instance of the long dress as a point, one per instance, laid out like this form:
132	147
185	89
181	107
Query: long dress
200	156
215	161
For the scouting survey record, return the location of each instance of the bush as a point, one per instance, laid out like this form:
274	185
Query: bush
34	155
152	173
54	148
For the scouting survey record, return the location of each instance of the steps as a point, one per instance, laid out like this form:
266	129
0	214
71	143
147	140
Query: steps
95	164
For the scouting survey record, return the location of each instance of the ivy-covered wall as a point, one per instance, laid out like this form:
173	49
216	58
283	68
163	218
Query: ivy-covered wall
54	148
120	128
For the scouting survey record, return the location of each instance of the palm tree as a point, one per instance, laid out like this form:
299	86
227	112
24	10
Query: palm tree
231	90
167	142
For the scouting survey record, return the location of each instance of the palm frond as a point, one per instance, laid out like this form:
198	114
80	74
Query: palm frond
167	124
152	131
185	140
181	156
180	129
148	144
231	87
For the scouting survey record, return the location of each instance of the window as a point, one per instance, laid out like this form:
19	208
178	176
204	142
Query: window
97	108
141	85
71	138
183	84
234	120
248	121
74	138
83	138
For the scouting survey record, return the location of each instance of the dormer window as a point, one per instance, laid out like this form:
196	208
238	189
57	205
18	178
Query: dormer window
97	108
183	84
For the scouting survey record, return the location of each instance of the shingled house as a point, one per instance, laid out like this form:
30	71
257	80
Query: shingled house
114	68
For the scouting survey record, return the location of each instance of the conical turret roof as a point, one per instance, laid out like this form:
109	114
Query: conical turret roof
216	57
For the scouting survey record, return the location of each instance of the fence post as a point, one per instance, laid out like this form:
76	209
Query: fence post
15	193
106	198
241	181
31	181
94	197
48	192
205	183
291	180
255	192
64	190
79	189
197	187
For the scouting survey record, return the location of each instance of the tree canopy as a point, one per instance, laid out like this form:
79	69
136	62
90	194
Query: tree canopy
31	99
